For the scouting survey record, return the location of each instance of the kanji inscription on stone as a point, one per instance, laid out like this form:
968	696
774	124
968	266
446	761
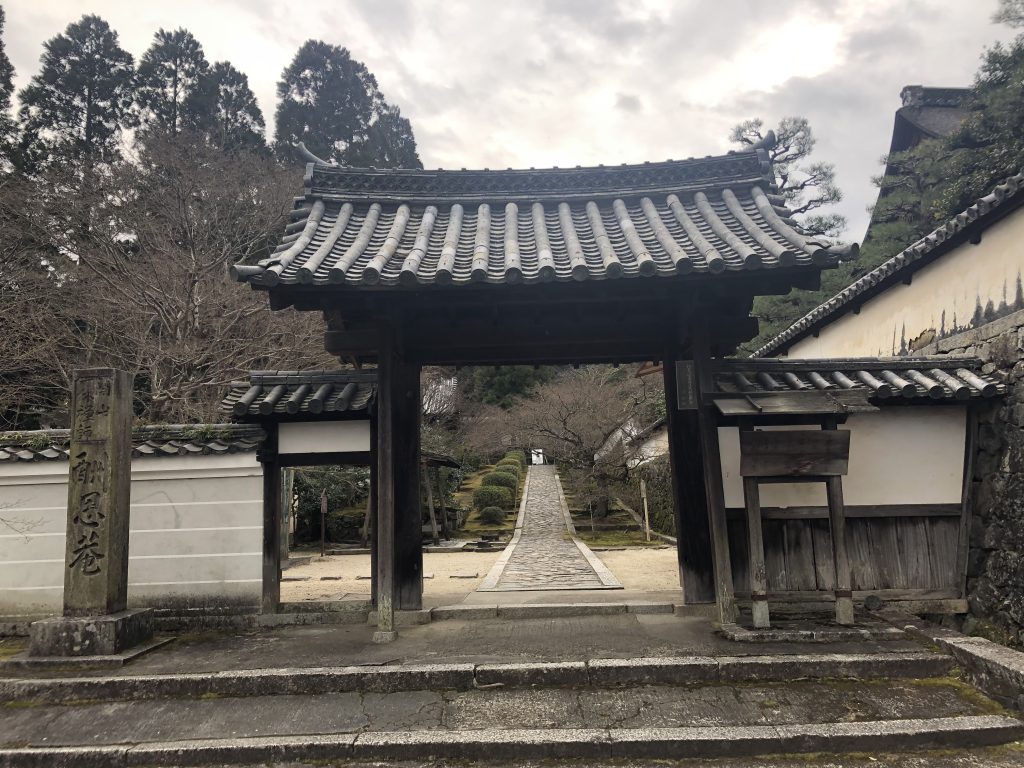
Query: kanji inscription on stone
99	485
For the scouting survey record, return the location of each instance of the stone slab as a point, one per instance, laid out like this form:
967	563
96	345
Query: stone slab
865	666
404	618
652	671
884	735
90	635
464	612
484	744
538	674
23	661
559	610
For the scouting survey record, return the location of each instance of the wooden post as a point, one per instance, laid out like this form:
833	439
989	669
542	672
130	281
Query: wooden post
372	504
689	499
430	507
388	381
708	427
271	522
287	488
840	558
446	530
758	574
647	514
408	507
323	522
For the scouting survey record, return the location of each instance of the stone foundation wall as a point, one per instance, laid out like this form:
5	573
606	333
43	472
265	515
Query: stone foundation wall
995	570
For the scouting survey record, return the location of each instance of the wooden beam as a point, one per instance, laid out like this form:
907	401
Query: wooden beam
858	511
373	508
268	457
689	498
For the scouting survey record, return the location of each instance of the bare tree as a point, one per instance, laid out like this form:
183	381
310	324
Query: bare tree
146	288
574	418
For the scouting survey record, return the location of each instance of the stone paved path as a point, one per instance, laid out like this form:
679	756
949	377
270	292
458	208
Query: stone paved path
544	554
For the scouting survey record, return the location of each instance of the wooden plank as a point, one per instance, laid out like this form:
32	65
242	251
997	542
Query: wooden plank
689	498
824	569
798	552
774	554
912	535
372	504
738	557
837	524
942	547
872	511
794	453
755	547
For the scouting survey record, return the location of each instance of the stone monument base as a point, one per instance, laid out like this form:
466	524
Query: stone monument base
90	635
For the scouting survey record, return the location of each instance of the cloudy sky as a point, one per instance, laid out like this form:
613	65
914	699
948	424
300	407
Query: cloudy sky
519	83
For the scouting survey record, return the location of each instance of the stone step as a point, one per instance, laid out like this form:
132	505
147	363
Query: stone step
462	677
524	744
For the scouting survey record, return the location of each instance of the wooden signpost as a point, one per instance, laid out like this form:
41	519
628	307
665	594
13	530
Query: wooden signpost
796	456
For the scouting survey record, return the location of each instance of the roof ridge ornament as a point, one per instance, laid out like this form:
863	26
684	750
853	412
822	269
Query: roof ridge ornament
309	157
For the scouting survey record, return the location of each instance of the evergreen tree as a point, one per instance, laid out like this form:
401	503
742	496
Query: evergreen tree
331	102
232	118
805	186
168	89
73	112
6	90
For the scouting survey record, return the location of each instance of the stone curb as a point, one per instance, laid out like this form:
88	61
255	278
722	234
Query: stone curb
494	744
996	670
399	678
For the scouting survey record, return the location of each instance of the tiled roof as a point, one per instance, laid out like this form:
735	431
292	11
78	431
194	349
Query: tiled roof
888	380
389	228
147	442
289	393
1006	197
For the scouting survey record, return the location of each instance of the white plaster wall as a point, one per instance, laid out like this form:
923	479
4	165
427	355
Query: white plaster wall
652	447
196	533
953	284
324	437
897	456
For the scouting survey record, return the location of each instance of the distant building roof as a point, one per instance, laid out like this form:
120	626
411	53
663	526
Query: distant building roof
1003	200
927	113
387	229
147	442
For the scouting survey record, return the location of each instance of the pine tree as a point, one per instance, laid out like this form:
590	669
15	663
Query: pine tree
231	118
331	102
168	89
73	112
6	90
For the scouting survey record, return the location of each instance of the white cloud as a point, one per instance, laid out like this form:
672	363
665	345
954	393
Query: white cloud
567	82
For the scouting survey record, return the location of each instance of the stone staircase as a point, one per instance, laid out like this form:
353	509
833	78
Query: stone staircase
598	711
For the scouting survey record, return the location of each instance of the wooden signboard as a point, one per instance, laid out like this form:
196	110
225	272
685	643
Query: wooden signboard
686	386
794	453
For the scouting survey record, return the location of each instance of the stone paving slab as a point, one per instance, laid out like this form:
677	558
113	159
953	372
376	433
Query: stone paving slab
403	678
545	554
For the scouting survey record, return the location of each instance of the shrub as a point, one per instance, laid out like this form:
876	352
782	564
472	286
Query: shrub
518	456
492	496
507	469
511	464
500	479
492	515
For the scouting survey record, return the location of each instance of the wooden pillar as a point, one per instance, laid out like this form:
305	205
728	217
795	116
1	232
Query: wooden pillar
271	522
840	558
758	574
708	427
408	509
689	500
399	562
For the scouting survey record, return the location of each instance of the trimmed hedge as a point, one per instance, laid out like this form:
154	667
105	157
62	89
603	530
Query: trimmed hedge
519	456
492	515
507	470
501	479
492	496
511	464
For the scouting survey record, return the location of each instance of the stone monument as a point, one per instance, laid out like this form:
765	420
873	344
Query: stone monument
96	621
